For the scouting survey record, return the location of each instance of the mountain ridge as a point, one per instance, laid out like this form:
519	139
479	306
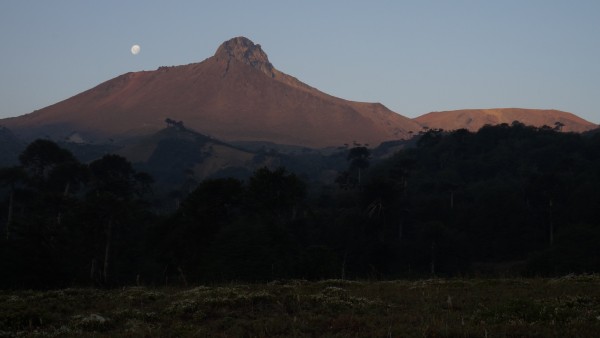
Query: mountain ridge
235	95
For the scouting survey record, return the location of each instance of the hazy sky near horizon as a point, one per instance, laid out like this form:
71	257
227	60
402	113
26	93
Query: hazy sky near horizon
413	56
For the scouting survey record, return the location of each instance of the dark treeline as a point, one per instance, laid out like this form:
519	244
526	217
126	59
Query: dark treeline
507	199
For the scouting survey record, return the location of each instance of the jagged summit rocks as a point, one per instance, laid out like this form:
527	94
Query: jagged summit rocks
244	50
235	95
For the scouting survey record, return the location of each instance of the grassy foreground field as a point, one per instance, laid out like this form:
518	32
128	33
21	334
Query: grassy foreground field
561	307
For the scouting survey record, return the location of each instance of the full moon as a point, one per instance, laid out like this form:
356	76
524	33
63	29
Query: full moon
135	49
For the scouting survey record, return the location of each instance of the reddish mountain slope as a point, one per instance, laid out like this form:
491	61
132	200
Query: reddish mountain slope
236	94
473	119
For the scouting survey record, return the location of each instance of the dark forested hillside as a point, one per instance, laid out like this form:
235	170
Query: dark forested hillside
523	195
508	199
10	146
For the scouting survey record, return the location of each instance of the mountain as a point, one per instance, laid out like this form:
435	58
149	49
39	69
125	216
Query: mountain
473	119
235	95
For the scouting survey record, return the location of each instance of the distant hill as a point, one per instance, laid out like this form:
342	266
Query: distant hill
474	119
175	154
235	95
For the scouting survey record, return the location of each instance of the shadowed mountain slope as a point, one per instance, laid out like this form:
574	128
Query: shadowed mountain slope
236	94
10	148
174	153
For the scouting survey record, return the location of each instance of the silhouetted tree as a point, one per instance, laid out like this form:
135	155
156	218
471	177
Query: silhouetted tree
41	157
114	186
359	160
276	192
184	238
558	126
173	123
11	177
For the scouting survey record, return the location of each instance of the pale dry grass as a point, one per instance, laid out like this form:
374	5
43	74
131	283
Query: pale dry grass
567	306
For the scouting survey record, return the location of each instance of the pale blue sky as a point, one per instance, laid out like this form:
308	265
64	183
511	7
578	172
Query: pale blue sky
412	56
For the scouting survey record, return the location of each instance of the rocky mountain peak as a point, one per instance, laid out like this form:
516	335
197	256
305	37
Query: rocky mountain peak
243	49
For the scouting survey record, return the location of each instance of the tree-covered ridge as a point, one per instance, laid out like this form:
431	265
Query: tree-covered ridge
502	194
67	222
506	199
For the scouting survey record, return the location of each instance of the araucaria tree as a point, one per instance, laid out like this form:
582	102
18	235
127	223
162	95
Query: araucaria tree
359	160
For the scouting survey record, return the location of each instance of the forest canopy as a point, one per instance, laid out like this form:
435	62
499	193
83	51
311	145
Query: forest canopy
508	199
